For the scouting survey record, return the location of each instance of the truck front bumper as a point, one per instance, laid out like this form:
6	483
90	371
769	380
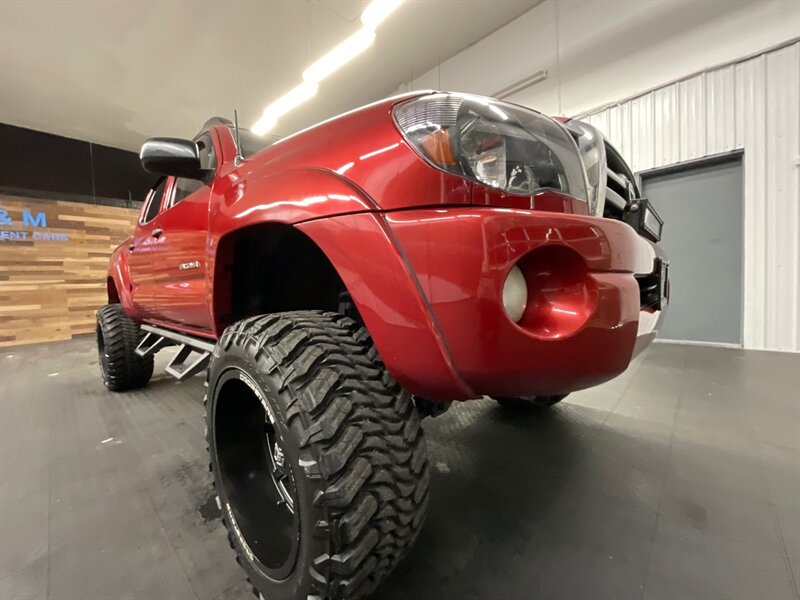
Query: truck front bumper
585	318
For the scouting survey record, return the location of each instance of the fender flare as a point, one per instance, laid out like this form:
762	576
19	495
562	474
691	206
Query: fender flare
345	223
119	274
391	302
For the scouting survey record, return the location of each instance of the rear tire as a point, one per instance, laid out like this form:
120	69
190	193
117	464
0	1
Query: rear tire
117	337
343	456
530	404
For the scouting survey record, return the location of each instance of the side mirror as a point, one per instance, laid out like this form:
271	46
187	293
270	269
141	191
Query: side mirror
172	156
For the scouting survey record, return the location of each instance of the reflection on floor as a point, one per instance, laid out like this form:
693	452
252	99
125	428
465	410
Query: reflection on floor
680	479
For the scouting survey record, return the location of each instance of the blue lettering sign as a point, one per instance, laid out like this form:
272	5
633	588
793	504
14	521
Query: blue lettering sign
29	219
40	220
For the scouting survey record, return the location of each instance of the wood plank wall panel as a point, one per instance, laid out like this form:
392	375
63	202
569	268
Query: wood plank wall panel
49	288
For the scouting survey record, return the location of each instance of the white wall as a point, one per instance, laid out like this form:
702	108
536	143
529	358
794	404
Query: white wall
630	54
600	51
755	106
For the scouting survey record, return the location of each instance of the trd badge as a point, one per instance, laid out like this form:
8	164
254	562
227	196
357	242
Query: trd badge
190	265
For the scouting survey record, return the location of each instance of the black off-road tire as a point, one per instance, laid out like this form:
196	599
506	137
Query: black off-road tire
351	438
530	404
117	337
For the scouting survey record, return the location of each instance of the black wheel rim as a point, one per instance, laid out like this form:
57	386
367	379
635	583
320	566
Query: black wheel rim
254	475
101	352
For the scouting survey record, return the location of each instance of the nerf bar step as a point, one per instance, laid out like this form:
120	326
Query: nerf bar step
183	365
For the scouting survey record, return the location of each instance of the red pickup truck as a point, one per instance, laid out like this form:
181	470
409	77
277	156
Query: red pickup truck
349	279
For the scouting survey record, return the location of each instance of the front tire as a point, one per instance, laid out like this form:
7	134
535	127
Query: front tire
117	337
306	392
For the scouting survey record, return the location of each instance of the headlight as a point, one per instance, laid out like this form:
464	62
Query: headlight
592	148
499	145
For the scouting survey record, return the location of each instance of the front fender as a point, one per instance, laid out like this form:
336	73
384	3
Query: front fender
120	274
290	196
391	302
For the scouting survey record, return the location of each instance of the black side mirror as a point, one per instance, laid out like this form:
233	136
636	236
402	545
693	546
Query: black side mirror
172	156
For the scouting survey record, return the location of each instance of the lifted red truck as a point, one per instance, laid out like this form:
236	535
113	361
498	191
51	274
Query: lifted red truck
357	275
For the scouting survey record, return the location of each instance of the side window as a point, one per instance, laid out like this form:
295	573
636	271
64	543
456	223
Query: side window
154	201
208	160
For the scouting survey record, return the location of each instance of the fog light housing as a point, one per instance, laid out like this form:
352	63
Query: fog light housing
562	295
515	294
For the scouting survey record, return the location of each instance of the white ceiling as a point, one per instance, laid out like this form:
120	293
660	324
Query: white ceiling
116	73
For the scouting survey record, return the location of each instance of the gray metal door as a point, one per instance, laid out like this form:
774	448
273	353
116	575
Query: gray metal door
703	236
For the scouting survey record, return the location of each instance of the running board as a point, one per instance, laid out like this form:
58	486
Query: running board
152	343
183	365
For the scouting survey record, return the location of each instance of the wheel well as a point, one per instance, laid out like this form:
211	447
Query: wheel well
111	290
273	267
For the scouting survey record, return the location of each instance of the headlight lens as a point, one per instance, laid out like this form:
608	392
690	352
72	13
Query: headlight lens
499	145
592	148
515	294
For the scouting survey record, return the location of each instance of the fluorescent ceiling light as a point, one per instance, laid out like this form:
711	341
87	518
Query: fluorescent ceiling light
340	55
292	98
282	105
520	85
377	11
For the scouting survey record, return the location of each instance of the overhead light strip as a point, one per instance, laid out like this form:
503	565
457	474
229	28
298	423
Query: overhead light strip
340	55
374	14
520	85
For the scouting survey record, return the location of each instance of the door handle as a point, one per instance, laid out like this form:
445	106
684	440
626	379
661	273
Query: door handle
157	232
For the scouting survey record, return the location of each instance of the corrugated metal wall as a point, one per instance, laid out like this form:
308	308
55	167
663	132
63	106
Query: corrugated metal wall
753	105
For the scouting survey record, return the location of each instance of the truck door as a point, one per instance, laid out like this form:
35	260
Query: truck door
181	275
144	250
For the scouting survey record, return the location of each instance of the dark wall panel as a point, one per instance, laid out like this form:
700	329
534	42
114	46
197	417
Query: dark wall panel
33	161
118	172
39	161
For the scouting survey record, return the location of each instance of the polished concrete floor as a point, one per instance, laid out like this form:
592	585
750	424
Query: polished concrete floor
680	479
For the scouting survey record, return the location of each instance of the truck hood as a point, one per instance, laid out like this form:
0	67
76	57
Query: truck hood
366	148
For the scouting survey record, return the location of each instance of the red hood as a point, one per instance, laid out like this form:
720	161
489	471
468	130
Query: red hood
366	148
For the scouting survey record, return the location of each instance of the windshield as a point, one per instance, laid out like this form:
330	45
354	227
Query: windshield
250	142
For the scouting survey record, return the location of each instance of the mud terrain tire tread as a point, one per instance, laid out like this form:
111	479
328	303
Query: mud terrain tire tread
125	370
361	443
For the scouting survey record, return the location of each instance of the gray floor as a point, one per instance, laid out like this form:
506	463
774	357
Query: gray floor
680	479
